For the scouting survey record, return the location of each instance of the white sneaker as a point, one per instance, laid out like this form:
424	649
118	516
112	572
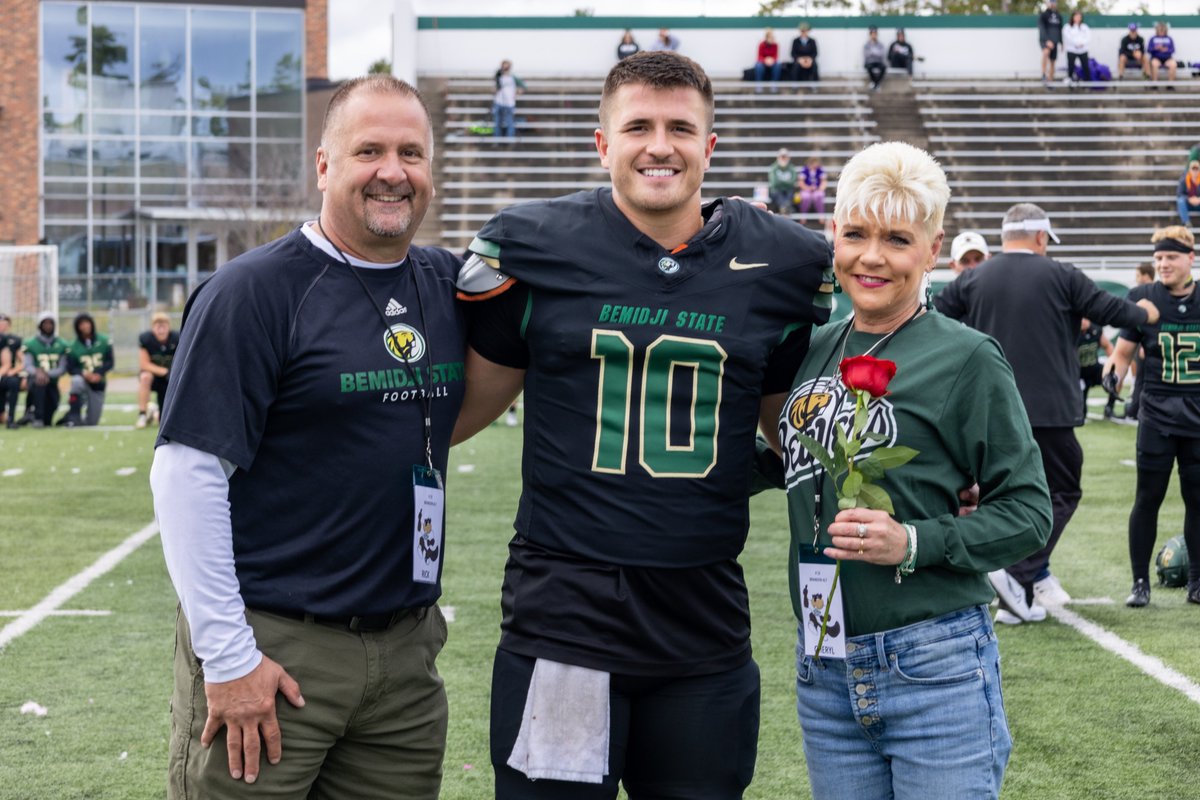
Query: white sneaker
1006	617
1011	594
510	419
141	421
154	413
1049	592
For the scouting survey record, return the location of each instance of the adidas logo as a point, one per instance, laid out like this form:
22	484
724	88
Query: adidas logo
394	309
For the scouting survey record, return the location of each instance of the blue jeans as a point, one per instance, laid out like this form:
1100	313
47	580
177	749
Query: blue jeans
760	70
503	116
1181	204
914	712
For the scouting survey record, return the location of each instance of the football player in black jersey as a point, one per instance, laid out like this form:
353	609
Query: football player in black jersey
1169	413
650	333
156	351
11	367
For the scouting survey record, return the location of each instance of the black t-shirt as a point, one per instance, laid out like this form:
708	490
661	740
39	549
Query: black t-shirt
1170	372
161	353
1050	26
644	371
286	369
1132	45
12	343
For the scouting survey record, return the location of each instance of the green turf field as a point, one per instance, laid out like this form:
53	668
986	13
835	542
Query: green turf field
1087	724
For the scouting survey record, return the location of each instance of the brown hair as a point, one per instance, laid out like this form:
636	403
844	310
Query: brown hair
657	70
378	84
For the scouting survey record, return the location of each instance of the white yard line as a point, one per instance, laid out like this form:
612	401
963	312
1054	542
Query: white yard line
29	619
1114	644
63	612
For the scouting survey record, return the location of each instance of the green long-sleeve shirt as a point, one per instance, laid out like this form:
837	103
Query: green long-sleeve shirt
954	400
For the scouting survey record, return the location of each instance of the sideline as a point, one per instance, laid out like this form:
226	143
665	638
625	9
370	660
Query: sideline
29	619
1152	666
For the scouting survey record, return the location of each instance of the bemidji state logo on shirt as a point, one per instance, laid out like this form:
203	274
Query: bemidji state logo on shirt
413	378
812	408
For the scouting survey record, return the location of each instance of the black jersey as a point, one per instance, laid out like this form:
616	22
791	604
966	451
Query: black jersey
1088	345
12	343
1170	373
644	374
645	370
161	353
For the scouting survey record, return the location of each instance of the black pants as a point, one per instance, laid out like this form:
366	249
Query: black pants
1157	453
1085	68
1062	458
43	399
693	738
10	388
876	72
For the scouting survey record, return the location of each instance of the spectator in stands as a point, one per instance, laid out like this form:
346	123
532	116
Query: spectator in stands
804	56
504	107
89	360
628	45
1076	38
968	250
156	353
1187	194
1132	52
45	363
1169	422
665	41
1161	50
781	183
12	368
812	189
1090	342
768	60
873	58
1033	306
900	53
1143	275
1050	25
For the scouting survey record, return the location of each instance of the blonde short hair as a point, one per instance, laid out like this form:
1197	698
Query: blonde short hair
893	180
1177	232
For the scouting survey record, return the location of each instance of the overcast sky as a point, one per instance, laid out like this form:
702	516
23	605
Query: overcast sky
359	33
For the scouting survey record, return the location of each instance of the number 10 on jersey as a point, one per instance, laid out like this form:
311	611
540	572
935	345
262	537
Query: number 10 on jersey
656	403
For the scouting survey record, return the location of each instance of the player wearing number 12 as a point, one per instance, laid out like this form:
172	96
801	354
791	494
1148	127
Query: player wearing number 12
651	334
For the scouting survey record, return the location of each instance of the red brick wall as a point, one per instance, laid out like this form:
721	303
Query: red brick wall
19	122
316	38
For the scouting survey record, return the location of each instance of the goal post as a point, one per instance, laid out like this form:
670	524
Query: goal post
28	284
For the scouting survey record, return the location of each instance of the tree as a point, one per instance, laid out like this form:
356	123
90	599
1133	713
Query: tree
380	67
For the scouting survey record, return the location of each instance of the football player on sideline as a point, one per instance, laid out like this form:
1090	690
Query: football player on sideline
651	335
156	351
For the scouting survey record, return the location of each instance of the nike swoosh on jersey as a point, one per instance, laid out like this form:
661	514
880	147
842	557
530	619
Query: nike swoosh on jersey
735	264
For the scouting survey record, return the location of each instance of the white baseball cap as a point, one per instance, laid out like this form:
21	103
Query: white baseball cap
967	241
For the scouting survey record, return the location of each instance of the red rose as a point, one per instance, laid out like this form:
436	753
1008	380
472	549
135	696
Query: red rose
867	373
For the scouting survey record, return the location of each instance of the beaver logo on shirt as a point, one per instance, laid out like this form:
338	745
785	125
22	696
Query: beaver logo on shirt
404	343
812	409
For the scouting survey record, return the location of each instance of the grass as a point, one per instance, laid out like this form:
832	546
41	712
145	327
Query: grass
1086	723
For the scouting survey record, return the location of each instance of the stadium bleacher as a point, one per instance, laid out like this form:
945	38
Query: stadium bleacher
1103	160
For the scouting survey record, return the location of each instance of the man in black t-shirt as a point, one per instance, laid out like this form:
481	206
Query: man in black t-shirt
1050	25
651	335
297	484
12	367
1132	52
156	351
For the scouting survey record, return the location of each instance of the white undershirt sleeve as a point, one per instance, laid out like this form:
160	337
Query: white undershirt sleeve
191	503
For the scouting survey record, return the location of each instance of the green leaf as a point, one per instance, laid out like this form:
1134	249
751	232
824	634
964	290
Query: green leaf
818	452
872	496
870	467
852	448
852	484
889	457
872	436
847	502
842	441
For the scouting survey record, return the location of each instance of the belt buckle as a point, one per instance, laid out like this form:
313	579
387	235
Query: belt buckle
355	624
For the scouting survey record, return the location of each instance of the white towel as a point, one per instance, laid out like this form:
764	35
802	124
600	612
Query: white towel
565	727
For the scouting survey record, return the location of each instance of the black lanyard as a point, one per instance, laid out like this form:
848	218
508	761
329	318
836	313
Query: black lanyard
424	391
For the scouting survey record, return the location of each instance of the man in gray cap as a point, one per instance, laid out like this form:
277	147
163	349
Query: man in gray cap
1033	305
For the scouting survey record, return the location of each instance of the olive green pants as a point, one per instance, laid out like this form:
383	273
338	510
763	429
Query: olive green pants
373	724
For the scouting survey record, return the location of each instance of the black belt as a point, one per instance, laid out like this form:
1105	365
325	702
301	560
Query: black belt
358	622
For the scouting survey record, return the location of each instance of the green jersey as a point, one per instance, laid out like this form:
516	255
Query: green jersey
954	400
782	178
46	355
93	355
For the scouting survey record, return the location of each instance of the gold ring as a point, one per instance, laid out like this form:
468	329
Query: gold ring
860	551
